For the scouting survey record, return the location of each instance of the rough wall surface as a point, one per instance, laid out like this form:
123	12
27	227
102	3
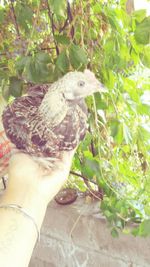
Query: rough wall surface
77	236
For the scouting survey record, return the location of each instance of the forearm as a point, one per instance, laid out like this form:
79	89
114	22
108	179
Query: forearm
18	233
32	189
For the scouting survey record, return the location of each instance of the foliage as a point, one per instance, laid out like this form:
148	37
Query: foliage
42	40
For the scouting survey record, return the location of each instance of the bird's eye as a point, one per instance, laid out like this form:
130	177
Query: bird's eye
81	83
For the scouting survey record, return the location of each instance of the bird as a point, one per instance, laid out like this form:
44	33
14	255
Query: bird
51	118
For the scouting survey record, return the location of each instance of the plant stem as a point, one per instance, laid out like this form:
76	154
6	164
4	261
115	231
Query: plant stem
50	14
15	18
83	177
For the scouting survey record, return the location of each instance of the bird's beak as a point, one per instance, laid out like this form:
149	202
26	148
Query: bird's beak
101	88
97	86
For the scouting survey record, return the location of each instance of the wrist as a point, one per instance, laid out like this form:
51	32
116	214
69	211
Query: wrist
32	202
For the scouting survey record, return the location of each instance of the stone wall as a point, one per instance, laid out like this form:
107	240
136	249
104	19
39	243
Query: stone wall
77	235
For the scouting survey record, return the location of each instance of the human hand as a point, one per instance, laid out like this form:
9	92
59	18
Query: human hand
31	188
27	178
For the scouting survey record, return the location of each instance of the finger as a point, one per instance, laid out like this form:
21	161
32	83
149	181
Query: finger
67	155
56	178
64	163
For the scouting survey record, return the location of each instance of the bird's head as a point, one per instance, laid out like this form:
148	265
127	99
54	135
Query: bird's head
77	85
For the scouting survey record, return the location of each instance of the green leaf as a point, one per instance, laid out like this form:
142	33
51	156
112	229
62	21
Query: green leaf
139	15
131	87
142	32
113	19
114	125
62	39
21	63
135	231
24	15
3	75
144	132
78	56
108	214
144	109
90	166
62	62
58	7
114	233
119	135
147	209
39	69
97	8
43	57
127	134
15	86
2	16
144	228
145	56
6	92
57	73
99	103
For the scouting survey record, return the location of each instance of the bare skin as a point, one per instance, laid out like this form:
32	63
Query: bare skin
30	188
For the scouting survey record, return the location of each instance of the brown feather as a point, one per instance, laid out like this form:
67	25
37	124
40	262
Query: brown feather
25	128
51	118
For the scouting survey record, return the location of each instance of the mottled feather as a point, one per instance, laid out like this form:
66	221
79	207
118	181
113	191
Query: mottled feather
50	118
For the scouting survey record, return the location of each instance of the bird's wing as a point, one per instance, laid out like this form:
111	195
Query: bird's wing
26	129
38	90
16	118
43	141
72	129
19	115
49	142
30	131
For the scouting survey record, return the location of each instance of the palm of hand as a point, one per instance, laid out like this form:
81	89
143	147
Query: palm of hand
26	174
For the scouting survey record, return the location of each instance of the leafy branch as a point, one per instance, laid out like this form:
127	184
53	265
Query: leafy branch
14	18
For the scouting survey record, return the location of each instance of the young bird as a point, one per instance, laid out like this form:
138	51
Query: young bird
51	118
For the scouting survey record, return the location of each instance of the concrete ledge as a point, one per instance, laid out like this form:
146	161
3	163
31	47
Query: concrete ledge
76	235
